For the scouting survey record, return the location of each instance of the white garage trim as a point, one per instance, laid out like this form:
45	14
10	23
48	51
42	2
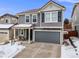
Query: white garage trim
61	34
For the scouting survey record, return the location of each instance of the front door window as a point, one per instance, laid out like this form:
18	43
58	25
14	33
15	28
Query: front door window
21	32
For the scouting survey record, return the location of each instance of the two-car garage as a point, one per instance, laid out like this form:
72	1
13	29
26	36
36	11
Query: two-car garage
47	36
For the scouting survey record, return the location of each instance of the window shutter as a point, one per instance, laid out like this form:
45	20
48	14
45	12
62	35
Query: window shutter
59	16
43	16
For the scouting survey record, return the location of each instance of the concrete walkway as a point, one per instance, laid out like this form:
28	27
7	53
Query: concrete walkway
40	50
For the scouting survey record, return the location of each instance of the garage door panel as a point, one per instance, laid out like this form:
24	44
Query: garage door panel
50	37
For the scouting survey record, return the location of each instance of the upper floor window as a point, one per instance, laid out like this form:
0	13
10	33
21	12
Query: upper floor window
27	18
54	16
34	18
6	21
51	17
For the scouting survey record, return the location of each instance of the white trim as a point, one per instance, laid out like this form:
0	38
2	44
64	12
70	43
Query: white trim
61	37
33	36
29	37
51	19
14	33
32	18
49	30
25	18
49	27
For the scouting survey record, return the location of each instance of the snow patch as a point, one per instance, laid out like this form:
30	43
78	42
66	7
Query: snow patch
9	51
69	51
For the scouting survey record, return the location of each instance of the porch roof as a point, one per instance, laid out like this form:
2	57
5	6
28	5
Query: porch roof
23	26
6	26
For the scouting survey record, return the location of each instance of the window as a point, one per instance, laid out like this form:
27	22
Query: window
27	18
6	21
34	17
21	32
54	16
47	17
51	17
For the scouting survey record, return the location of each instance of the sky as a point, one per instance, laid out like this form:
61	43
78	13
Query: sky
16	6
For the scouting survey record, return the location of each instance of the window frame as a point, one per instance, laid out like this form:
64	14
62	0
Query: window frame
7	21
32	18
26	18
51	17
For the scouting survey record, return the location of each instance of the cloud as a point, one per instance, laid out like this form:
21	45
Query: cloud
71	1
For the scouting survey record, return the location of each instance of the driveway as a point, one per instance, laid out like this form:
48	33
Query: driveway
40	50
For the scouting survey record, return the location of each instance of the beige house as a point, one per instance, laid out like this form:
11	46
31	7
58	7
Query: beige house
7	21
6	32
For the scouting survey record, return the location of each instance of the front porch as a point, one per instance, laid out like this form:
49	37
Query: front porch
23	32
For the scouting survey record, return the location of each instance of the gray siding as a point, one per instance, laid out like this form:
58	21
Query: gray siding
50	37
21	19
59	24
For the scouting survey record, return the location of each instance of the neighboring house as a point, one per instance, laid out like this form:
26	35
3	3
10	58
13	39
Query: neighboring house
6	32
6	22
41	25
8	19
75	18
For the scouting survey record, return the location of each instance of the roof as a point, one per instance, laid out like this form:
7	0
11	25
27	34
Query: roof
7	14
22	25
6	26
35	10
74	8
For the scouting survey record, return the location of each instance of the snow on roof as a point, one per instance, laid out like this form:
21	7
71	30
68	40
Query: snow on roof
23	25
6	26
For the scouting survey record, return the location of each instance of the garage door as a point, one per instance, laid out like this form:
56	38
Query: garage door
3	36
49	37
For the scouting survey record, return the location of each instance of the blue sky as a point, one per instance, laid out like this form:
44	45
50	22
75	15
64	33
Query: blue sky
15	6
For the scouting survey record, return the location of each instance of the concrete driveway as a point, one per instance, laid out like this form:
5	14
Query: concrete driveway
40	50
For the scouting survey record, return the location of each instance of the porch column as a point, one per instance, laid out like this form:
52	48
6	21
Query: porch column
29	37
14	33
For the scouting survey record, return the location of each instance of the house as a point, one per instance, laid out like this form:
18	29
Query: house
7	21
75	18
6	32
44	24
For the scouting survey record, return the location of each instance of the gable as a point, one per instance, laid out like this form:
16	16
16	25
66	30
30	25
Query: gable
52	6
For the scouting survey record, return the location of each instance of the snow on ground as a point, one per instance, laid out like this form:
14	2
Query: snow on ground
9	51
69	51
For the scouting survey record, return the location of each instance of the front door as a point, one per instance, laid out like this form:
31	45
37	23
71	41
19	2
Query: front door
21	35
21	32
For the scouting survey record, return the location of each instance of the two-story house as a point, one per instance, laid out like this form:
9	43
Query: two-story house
75	17
6	22
41	25
8	19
